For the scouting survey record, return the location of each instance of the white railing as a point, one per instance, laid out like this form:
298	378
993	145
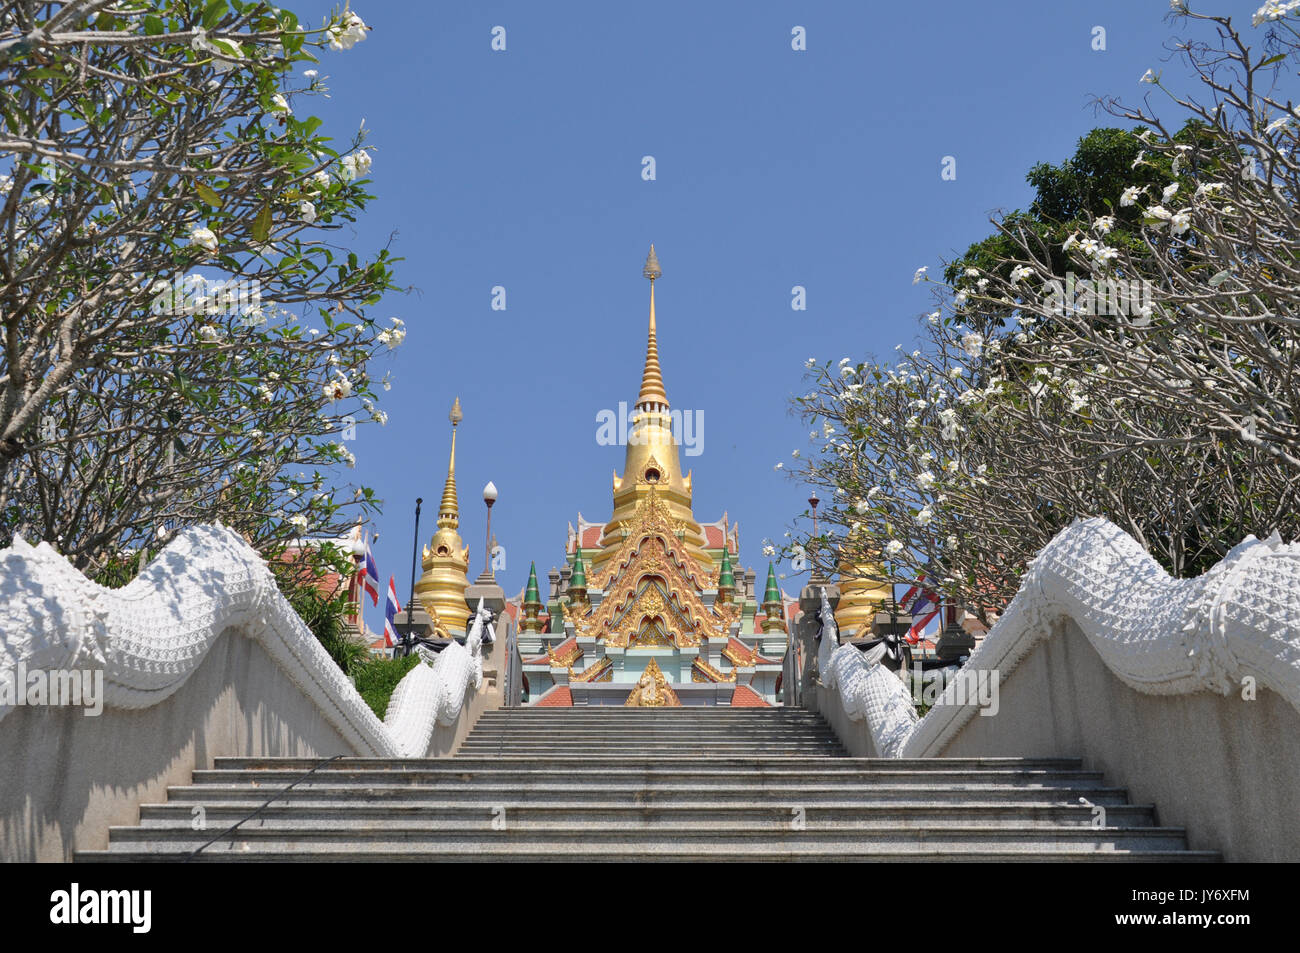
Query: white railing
1236	625
148	637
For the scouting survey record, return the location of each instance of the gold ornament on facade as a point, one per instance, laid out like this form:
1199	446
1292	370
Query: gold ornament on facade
652	690
602	671
702	671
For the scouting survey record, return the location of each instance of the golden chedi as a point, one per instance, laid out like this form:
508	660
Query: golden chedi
441	589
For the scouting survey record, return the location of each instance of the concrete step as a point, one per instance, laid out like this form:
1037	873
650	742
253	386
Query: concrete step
640	792
838	765
652	773
497	854
387	836
479	815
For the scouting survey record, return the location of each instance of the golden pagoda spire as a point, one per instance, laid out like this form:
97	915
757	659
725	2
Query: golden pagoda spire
653	464
441	589
449	509
652	396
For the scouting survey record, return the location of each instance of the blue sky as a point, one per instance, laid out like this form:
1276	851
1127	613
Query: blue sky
774	168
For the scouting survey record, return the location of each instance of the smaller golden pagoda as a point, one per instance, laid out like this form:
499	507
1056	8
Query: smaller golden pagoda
441	589
860	598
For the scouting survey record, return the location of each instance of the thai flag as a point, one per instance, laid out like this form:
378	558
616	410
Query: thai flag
371	578
391	608
924	609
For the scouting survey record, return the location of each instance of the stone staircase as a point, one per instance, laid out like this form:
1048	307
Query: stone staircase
627	784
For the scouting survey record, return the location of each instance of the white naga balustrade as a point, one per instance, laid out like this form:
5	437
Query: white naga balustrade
151	635
1156	634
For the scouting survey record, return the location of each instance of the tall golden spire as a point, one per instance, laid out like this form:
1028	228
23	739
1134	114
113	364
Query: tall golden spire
441	588
652	465
652	380
449	509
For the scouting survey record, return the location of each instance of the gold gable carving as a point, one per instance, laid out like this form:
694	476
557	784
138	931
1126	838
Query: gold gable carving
652	690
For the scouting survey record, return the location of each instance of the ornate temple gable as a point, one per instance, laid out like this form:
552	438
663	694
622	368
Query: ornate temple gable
562	656
602	671
652	690
742	655
653	519
702	671
655	600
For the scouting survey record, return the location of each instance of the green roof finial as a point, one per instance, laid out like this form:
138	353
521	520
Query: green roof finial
773	592
579	578
726	579
531	594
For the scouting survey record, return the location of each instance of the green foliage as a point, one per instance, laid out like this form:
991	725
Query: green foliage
377	678
312	578
210	407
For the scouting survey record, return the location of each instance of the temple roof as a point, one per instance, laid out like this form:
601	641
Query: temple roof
746	697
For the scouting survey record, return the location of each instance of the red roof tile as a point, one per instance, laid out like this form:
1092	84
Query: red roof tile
558	697
746	697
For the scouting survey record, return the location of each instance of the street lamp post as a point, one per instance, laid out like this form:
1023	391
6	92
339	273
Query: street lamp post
813	501
489	497
410	604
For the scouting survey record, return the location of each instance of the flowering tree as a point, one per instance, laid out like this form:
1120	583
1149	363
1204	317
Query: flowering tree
1124	354
184	340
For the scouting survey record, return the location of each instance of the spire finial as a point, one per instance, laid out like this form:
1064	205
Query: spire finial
449	509
652	269
652	380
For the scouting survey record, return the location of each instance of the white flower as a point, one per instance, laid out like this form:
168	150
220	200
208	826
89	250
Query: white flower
209	333
795	454
1130	196
1105	225
811	362
779	466
952	466
1070	242
307	210
345	35
280	105
1148	77
861	507
933	318
200	40
1158	215
1020	273
959	301
1273	10
1180	222
299	521
1170	191
337	389
873	492
973	344
920	273
971	273
956	372
1276	124
893	548
925	516
1208	188
951	542
379	417
205	238
925	480
769	550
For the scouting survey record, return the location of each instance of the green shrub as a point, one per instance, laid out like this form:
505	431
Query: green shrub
377	678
